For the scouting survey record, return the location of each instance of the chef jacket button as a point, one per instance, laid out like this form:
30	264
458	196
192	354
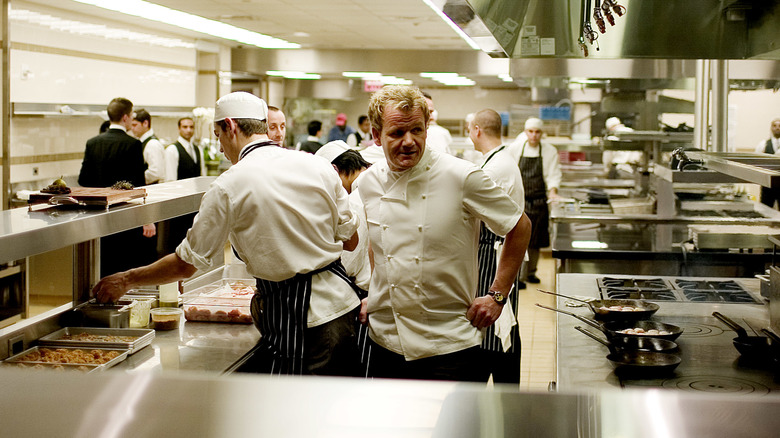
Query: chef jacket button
424	196
417	259
416	286
384	227
419	227
389	257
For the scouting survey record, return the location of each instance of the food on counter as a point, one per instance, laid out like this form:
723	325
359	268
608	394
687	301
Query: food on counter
622	308
90	337
123	185
641	331
166	318
228	303
58	187
51	366
69	356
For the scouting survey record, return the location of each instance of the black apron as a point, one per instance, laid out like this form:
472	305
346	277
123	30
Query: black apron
535	198
768	195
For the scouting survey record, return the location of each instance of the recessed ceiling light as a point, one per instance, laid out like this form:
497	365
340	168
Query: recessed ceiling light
288	74
151	11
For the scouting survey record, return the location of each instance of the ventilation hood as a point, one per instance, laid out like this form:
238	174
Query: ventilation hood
660	29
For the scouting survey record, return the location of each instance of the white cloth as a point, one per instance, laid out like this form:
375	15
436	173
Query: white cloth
439	139
775	145
275	230
352	139
172	159
154	156
424	225
356	262
502	168
373	154
551	162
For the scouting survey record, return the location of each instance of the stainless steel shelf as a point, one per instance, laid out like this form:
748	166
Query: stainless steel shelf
762	169
24	233
695	176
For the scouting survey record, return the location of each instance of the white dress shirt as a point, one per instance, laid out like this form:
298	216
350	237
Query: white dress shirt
424	225
259	206
172	159
551	162
154	156
356	262
775	145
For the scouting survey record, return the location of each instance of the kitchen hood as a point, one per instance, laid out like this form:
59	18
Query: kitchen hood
655	29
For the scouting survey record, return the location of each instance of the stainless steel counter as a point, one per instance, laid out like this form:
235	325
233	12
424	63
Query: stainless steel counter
24	233
147	404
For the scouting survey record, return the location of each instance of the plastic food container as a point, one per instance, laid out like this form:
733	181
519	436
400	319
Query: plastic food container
166	318
225	301
140	310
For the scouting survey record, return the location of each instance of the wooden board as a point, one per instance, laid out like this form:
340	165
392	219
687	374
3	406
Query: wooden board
92	196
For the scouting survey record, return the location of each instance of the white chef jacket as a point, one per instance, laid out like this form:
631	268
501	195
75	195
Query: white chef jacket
502	168
775	145
285	212
172	159
154	156
356	262
551	162
424	224
439	139
373	154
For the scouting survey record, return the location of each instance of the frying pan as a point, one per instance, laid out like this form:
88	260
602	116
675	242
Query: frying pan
754	347
653	345
611	328
601	311
636	362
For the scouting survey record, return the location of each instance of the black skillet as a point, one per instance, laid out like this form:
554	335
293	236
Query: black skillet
601	311
612	328
754	347
653	345
638	363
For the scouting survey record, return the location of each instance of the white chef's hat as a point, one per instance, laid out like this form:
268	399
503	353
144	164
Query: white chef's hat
332	150
534	123
240	105
612	122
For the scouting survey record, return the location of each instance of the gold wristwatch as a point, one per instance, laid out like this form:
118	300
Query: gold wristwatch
497	296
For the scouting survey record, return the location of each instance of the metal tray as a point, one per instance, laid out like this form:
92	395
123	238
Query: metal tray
144	338
55	366
17	357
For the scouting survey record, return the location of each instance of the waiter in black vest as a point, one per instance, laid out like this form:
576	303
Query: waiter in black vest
183	160
292	244
770	146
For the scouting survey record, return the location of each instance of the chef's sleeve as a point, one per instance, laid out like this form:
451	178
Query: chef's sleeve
489	203
205	241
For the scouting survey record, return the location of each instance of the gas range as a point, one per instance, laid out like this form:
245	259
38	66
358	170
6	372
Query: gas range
710	363
676	289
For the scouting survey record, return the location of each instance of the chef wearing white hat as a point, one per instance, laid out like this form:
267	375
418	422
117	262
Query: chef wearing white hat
541	169
290	242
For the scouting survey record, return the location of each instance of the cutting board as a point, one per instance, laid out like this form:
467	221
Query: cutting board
91	196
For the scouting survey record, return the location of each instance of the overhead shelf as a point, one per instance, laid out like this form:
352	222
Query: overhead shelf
762	169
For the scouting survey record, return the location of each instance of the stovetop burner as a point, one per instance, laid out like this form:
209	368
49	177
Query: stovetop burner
720	286
697	330
628	293
718	384
642	283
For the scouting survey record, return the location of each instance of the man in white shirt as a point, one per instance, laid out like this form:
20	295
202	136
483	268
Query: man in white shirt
424	210
277	125
291	243
770	146
439	138
361	138
154	151
622	160
501	345
541	169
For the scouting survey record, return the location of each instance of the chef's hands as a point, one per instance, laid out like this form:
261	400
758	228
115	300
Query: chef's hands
150	230
363	317
483	312
110	289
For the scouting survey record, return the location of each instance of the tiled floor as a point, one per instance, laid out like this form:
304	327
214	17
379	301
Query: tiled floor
537	329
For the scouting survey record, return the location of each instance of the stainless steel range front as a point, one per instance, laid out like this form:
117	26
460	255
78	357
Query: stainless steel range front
710	363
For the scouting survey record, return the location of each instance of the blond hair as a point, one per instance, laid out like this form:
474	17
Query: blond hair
400	97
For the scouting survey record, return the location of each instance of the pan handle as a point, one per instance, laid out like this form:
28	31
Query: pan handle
741	333
562	295
588	321
775	339
592	336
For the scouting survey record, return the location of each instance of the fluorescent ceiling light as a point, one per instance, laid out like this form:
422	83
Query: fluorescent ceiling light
361	74
448	78
434	75
90	29
151	11
452	24
288	74
505	77
588	244
392	80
